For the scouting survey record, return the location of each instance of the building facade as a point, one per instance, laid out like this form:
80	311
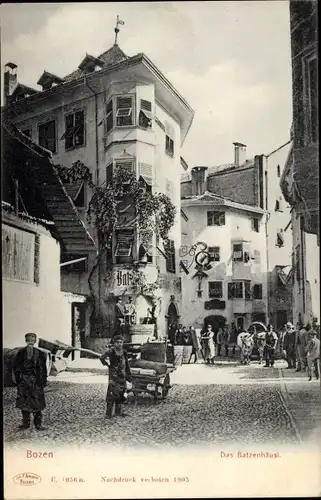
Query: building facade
223	256
278	239
114	113
256	216
300	178
31	246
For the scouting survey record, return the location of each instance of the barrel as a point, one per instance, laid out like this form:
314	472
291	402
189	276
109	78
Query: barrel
154	351
139	334
139	339
178	354
187	352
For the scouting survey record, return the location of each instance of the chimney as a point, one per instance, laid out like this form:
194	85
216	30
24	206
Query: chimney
198	180
239	154
9	80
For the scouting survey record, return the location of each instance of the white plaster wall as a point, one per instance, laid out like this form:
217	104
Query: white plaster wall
277	220
42	309
237	226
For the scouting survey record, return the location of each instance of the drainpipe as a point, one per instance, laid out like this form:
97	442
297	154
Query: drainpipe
268	280
96	129
97	178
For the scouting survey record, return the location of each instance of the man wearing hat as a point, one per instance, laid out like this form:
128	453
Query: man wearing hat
30	372
119	377
289	345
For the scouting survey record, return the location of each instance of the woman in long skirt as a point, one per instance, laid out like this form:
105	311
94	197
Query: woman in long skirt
209	345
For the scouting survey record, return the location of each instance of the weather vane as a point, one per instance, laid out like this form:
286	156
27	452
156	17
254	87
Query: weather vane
118	22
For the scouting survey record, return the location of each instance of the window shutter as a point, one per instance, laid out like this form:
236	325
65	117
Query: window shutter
69	128
18	254
146	172
109	173
79	128
146	105
169	188
124	166
109	116
170	257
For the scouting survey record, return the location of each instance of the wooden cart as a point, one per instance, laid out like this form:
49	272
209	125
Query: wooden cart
151	377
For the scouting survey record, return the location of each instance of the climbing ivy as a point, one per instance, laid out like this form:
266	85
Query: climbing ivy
77	171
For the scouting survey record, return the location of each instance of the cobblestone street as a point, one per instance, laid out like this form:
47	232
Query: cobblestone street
229	403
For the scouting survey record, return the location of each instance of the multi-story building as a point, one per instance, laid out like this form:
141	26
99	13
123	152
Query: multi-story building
278	239
32	239
236	213
300	178
228	224
113	112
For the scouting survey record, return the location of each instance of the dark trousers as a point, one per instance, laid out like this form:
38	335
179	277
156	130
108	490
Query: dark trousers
219	348
269	356
226	350
291	357
114	408
37	418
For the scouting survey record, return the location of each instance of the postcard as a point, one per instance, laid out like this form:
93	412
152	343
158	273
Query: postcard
160	250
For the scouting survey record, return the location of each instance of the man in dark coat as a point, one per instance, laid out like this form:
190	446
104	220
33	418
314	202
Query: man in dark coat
289	345
30	372
116	359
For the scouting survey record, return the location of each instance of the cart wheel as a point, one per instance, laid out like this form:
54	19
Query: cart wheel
165	387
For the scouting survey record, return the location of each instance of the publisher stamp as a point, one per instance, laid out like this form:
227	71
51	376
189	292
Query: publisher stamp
27	479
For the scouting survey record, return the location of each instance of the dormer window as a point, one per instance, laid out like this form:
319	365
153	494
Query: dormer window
90	64
49	80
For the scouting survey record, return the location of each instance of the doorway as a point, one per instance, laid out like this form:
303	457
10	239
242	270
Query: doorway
78	325
172	320
216	321
281	319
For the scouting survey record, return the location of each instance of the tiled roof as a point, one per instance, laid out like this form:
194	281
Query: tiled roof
229	166
111	56
43	174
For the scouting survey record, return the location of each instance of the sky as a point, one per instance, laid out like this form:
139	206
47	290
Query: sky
231	60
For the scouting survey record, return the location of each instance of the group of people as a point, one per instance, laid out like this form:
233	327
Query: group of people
301	348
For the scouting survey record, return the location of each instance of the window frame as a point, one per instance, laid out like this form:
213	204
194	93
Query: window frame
170	257
257	291
45	123
231	287
211	214
74	129
131	112
255	224
214	250
211	287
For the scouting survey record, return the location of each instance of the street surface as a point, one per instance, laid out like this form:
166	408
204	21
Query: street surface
207	406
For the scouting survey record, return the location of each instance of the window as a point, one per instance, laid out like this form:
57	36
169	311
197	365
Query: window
74	135
169	146
216	218
109	116
278	170
119	165
257	291
279	239
20	254
146	173
47	135
215	289
235	290
124	111
145	114
27	132
124	246
247	290
75	267
298	263
238	252
255	225
311	77
241	252
278	205
214	253
170	257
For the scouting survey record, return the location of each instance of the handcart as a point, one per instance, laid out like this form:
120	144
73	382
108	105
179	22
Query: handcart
150	377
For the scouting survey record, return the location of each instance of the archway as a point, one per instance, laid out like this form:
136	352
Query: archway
172	319
216	321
